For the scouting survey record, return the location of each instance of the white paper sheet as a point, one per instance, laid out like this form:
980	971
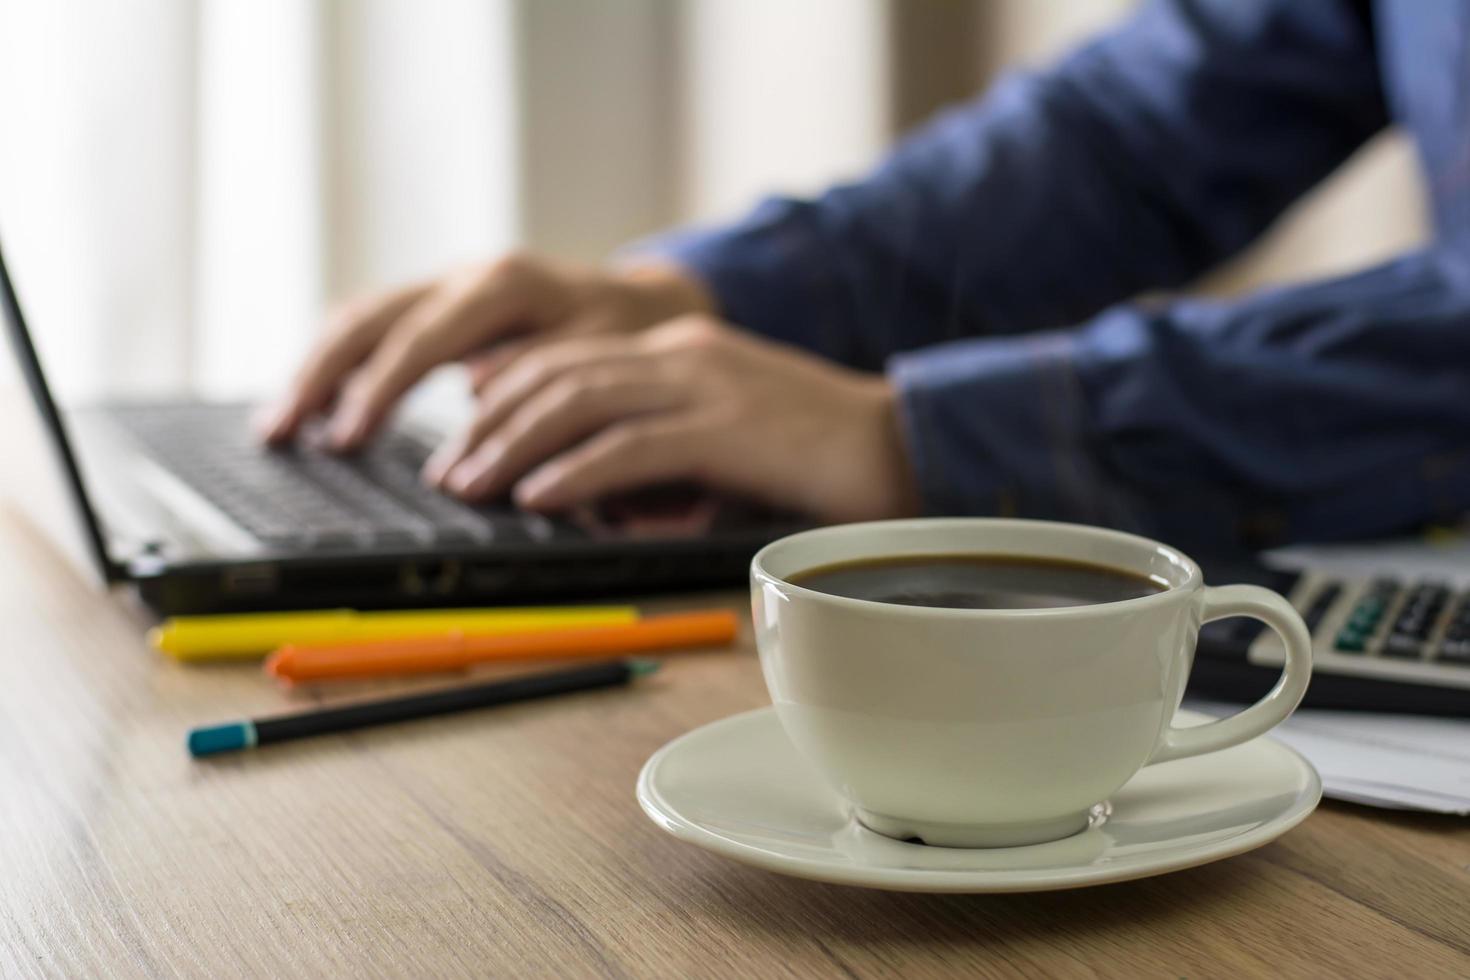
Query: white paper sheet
1396	761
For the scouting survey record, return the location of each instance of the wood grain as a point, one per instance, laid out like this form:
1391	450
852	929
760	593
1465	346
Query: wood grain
509	843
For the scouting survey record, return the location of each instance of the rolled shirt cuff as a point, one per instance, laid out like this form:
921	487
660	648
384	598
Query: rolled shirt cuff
999	426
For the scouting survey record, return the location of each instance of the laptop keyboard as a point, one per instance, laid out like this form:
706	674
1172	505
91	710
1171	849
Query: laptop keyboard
303	499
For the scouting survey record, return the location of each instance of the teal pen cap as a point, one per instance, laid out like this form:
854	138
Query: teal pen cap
231	737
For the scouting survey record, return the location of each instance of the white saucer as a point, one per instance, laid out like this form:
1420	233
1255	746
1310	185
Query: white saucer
737	787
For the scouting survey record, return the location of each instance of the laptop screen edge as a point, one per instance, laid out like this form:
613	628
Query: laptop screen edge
55	425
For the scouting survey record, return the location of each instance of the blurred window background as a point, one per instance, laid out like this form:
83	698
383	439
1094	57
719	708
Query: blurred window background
186	184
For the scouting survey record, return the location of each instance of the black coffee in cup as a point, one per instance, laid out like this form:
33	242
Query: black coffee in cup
962	581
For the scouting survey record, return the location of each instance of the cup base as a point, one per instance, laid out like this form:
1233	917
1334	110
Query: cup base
975	835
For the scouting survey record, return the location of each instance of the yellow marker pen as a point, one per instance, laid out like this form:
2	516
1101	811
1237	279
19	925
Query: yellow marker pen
256	634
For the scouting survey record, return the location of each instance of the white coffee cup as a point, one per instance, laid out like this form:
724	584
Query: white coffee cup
997	727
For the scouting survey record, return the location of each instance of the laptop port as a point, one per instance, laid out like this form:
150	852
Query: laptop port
253	579
430	578
446	582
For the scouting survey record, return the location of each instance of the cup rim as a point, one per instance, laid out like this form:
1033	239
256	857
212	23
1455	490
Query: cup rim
1193	579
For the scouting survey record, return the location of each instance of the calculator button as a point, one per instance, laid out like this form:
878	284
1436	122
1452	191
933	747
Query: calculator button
1421	610
1362	623
1371	604
1320	604
1366	615
1350	641
1456	651
1403	646
1410	624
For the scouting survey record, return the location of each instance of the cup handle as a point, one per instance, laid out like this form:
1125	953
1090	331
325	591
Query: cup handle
1223	602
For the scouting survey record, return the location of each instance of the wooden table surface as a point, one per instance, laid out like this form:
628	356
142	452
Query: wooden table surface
509	843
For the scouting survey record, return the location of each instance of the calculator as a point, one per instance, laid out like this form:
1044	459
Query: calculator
1380	642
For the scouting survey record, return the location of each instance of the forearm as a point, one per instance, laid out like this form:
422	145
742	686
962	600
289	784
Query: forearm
1327	411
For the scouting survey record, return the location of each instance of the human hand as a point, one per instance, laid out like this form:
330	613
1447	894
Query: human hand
692	399
377	348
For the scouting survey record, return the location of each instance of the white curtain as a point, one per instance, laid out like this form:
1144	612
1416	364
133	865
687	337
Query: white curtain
781	96
96	178
186	184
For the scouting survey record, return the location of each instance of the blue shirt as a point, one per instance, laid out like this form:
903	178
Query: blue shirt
992	261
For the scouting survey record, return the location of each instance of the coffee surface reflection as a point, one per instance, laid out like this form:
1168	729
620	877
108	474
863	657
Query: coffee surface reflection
977	581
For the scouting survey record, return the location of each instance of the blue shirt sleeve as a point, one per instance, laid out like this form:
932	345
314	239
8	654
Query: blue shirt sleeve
1318	412
1333	410
1135	163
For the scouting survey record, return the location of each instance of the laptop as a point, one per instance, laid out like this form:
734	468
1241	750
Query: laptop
179	500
